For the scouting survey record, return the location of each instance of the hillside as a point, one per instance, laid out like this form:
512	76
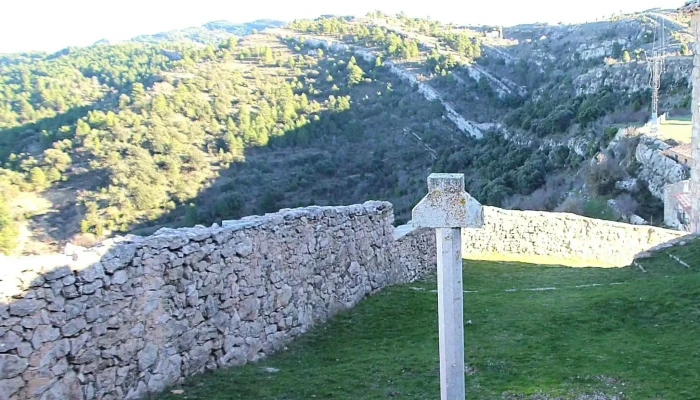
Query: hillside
196	126
210	33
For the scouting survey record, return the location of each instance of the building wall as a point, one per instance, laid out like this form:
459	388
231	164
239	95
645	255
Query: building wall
695	169
671	204
121	320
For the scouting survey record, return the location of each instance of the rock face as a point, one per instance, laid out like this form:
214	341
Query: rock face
657	169
561	236
125	319
632	76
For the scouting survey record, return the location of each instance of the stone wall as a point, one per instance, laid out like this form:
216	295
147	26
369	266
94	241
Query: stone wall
561	236
124	319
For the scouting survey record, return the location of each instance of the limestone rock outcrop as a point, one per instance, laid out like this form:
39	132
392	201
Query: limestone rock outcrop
657	170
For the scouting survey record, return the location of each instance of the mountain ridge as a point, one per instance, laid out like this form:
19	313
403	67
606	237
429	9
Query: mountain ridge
212	32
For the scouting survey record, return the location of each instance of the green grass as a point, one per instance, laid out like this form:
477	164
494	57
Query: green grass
638	334
678	128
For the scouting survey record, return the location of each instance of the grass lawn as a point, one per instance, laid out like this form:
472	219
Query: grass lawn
679	129
583	331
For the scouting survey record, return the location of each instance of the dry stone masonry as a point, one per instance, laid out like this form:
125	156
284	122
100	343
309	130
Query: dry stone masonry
125	319
130	317
561	236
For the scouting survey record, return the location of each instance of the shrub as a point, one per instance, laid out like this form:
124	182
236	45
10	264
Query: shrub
9	232
598	208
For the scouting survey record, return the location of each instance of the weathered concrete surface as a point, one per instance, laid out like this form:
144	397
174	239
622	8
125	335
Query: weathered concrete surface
447	205
448	208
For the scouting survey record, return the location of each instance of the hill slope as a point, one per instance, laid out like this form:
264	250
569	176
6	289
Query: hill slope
210	33
134	136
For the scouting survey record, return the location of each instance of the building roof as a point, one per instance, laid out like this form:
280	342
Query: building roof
683	201
691	7
685	150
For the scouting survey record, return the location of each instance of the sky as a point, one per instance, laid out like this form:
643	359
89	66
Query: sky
51	25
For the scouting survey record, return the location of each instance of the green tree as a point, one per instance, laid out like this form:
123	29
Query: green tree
616	50
37	177
684	49
191	215
124	101
231	126
484	86
227	205
626	56
82	128
147	197
244	117
9	232
53	175
268	58
355	74
159	105
138	93
230	43
57	159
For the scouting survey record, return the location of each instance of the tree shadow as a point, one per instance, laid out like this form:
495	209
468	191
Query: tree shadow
379	146
30	137
342	158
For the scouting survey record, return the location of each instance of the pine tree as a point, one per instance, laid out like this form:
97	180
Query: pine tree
37	177
355	75
626	56
8	229
231	126
138	93
191	215
244	117
268	58
159	105
82	128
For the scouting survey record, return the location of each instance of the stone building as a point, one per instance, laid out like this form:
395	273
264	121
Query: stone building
677	207
683	153
693	8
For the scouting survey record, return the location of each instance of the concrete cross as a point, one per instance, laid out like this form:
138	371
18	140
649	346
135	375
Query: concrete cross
448	208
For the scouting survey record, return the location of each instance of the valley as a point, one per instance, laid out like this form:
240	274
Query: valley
197	126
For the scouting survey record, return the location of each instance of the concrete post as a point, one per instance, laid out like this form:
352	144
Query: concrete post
448	208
